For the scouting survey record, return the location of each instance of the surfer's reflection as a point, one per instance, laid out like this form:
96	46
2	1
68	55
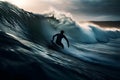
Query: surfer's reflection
59	38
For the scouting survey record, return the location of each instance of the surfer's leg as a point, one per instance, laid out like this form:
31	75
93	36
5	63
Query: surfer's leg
61	45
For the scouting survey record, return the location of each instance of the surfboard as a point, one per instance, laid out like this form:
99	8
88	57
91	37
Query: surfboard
54	46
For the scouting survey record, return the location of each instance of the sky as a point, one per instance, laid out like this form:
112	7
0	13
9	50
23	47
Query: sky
83	10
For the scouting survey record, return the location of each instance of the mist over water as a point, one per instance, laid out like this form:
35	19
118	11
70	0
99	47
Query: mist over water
24	53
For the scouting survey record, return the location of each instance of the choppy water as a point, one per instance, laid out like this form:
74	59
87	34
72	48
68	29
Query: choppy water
94	52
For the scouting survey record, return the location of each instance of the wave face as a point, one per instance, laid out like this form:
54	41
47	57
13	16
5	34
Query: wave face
24	53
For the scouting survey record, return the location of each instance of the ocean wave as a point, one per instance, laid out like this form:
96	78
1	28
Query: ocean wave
24	37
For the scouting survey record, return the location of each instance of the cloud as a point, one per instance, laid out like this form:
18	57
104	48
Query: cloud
96	8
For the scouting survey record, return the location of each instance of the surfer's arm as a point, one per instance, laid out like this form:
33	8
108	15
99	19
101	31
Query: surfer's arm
66	40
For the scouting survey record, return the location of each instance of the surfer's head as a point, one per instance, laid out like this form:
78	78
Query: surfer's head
62	32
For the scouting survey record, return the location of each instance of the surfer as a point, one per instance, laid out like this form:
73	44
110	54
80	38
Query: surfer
59	38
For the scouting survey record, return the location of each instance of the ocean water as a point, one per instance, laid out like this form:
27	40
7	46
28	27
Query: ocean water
94	52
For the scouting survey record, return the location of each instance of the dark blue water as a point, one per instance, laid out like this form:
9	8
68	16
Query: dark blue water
94	52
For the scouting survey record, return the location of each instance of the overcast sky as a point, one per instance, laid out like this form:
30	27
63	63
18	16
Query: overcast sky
97	10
